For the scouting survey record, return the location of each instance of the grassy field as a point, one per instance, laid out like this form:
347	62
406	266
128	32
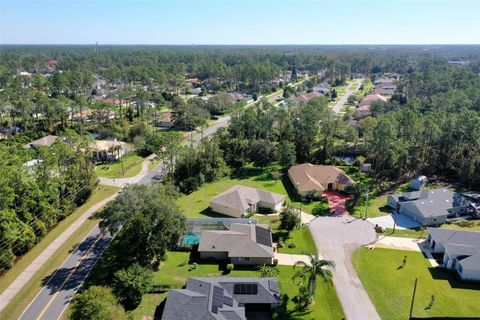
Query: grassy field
196	203
390	287
132	164
301	237
176	270
20	302
377	207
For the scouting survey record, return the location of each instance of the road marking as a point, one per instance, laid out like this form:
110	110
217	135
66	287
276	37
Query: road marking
68	278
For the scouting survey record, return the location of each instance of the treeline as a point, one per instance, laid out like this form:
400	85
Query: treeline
265	135
436	131
36	196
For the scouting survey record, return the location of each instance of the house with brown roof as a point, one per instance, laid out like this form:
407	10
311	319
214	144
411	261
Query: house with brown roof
46	141
307	178
305	97
106	150
241	200
166	119
246	244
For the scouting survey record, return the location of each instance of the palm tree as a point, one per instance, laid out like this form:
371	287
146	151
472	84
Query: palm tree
316	267
268	271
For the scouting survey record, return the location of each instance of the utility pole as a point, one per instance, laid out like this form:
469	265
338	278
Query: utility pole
366	205
413	298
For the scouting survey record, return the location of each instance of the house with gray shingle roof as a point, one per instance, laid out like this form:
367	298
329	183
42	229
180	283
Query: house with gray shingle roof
223	299
460	249
46	141
240	200
247	244
430	207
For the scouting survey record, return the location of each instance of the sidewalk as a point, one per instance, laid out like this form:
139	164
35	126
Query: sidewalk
122	182
43	258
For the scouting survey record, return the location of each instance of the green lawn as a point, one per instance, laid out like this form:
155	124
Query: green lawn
132	165
175	271
391	287
20	302
196	203
377	207
301	237
418	233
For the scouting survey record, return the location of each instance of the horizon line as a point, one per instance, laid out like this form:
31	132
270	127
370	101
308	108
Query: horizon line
239	44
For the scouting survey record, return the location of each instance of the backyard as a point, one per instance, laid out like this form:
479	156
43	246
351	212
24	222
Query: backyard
175	271
196	203
389	283
132	165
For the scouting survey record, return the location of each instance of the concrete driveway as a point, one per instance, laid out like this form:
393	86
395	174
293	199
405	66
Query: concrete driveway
401	220
286	259
336	239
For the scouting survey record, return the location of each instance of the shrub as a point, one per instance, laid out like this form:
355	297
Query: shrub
321	209
289	218
465	223
275	262
292	245
230	267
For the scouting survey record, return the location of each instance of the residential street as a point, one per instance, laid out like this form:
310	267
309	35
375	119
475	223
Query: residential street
336	239
348	92
59	290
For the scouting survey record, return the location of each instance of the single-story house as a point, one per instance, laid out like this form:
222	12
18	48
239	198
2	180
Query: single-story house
46	141
235	96
460	249
246	244
370	99
166	119
305	97
418	183
308	178
222	298
241	200
362	112
106	150
322	88
430	207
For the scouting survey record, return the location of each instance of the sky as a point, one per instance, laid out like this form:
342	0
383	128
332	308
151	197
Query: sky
239	22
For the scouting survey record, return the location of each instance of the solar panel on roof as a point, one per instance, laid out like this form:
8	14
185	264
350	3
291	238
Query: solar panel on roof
263	236
228	301
217	299
214	309
245	288
273	286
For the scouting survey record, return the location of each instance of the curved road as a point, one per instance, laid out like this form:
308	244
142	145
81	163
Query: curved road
336	239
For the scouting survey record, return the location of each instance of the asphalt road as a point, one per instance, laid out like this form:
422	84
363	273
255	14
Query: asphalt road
60	288
348	92
336	239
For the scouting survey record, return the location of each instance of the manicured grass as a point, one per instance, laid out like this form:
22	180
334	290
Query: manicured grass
377	207
24	297
391	287
175	271
196	203
302	238
132	165
418	233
